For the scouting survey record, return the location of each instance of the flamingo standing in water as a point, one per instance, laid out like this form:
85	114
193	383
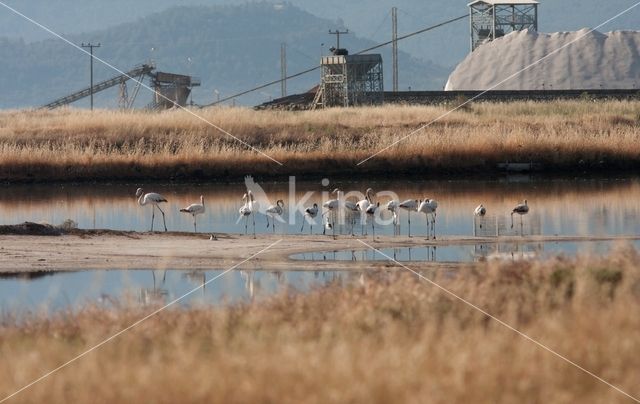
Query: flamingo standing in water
194	210
521	209
393	206
153	199
428	207
409	205
331	206
311	212
362	206
247	210
273	211
371	211
480	211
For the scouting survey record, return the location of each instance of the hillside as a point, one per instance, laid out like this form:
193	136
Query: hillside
369	19
230	48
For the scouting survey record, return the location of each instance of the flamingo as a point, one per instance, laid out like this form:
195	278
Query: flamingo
153	199
362	206
428	207
352	210
409	205
194	210
247	210
521	209
311	213
331	206
480	211
273	211
371	211
393	206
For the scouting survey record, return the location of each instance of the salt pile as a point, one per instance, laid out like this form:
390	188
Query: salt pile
596	61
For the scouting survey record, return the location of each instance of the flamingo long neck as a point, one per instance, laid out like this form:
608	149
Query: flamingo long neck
141	200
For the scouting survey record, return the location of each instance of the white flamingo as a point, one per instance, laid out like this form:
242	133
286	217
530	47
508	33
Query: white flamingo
428	207
194	210
480	210
362	206
331	206
410	205
521	209
311	213
371	211
352	211
247	210
393	206
273	211
153	199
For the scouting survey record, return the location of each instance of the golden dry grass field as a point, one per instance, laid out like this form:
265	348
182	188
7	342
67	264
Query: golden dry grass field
389	338
71	144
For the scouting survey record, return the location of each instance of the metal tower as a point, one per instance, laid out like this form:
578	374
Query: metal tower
491	19
348	80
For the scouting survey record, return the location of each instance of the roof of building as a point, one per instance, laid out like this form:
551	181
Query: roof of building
503	2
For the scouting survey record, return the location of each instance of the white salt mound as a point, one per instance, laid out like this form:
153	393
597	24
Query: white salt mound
596	61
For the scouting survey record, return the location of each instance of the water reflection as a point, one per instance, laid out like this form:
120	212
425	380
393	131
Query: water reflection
558	207
64	290
467	252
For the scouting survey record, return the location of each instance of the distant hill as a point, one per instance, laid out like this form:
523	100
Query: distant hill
230	48
368	19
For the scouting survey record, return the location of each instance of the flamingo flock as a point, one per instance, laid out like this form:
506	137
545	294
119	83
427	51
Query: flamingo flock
367	209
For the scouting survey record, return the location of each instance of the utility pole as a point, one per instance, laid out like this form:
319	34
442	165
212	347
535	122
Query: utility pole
337	34
283	69
394	38
91	46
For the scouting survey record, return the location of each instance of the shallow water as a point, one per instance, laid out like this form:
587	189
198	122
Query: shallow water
70	290
470	252
585	207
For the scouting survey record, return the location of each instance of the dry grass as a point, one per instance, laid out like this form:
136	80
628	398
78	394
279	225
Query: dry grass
73	144
392	339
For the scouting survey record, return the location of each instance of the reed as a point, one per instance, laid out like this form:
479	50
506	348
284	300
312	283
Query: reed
389	337
70	144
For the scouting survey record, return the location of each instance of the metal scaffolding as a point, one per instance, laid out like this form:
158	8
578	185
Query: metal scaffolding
348	80
491	19
172	89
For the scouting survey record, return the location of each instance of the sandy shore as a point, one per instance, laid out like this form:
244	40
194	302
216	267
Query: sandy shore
130	250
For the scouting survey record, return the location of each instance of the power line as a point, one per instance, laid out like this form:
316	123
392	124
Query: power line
318	66
337	33
91	46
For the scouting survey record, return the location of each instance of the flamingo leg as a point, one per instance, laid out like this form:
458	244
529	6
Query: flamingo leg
434	226
274	225
512	220
409	223
333	225
163	220
253	217
246	224
373	229
521	233
153	216
426	215
195	229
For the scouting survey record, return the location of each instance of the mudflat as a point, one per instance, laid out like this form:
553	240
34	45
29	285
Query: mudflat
107	249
